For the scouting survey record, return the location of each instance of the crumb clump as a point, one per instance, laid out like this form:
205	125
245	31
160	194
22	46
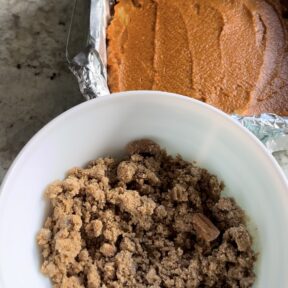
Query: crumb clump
150	220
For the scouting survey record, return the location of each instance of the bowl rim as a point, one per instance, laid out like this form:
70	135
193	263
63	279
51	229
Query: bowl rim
137	93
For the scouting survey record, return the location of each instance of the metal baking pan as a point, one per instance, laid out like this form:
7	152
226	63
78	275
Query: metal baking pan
87	59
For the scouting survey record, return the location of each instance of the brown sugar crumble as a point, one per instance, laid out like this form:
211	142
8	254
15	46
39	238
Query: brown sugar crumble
150	220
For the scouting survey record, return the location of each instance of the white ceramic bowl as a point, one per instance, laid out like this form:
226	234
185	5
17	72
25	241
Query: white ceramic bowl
103	126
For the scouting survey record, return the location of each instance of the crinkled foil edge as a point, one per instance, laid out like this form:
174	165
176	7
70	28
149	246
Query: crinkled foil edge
90	68
270	129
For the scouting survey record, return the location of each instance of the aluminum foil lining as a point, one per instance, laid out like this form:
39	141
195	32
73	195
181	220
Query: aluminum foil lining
87	58
86	46
271	129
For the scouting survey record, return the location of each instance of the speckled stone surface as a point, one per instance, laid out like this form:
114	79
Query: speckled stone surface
35	83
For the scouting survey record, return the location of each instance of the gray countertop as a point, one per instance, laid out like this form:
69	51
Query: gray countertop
35	84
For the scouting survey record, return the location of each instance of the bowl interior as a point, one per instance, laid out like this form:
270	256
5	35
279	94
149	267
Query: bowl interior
103	127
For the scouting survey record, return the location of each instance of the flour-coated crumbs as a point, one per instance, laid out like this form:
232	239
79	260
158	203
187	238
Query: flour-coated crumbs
149	220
